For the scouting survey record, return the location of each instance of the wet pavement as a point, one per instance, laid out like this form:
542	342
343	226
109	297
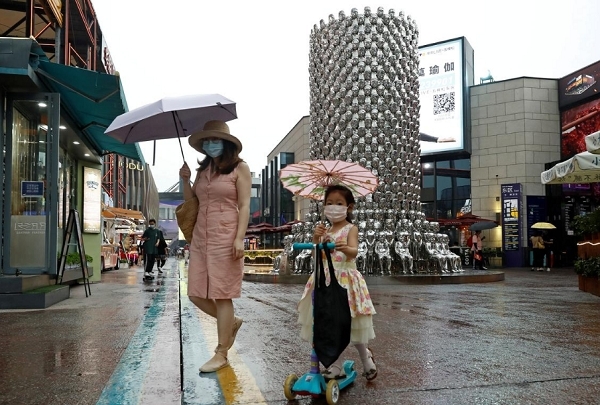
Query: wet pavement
533	338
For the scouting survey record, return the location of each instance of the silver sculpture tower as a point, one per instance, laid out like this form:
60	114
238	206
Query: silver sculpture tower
364	108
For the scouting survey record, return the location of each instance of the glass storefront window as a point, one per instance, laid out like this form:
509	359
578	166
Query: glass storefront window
462	164
28	163
28	184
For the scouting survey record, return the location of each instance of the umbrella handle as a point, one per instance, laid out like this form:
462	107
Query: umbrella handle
175	119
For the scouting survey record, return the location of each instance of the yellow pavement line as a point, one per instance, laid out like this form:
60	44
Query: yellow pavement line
237	382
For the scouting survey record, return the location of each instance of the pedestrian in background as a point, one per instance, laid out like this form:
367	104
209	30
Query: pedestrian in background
539	248
477	251
162	252
216	265
151	238
186	253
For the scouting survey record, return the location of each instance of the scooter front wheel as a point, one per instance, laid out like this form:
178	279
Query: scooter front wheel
332	394
288	385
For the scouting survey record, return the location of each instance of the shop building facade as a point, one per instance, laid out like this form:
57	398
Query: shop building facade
57	96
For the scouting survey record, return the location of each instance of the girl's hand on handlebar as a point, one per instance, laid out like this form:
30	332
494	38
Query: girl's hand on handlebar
320	231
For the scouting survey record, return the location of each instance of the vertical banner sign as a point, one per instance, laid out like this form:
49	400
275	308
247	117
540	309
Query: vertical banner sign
92	200
512	210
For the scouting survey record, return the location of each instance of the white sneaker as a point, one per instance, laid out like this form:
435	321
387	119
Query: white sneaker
146	274
548	269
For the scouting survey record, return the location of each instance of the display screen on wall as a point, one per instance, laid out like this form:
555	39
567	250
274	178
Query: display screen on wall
579	85
576	123
92	198
441	88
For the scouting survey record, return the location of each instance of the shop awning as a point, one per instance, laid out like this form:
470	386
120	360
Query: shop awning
123	213
93	100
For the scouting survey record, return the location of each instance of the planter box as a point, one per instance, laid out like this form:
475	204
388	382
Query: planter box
590	285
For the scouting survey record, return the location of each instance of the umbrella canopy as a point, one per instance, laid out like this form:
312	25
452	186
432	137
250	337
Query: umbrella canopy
311	178
592	142
581	168
464	220
543	225
171	117
483	225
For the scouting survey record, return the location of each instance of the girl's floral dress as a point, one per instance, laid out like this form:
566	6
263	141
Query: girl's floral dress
359	299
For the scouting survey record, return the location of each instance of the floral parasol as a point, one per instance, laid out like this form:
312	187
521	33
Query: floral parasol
311	178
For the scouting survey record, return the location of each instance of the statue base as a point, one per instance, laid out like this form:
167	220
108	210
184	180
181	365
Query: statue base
467	276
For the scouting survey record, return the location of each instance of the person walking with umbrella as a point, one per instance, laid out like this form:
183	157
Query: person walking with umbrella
477	250
216	266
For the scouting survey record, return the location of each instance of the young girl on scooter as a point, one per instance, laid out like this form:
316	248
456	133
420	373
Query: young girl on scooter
339	203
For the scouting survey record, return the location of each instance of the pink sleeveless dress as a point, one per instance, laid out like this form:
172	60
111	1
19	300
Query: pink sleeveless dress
213	272
359	300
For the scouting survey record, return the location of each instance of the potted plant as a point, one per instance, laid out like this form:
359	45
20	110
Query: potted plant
588	271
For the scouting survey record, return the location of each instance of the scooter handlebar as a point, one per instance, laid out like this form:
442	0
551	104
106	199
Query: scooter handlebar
300	246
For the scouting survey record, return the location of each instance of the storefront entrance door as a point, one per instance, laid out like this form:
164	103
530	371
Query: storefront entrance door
30	183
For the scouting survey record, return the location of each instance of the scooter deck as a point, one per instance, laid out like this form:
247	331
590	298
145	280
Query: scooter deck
315	384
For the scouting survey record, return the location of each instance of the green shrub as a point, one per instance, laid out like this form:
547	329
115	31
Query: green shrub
74	258
587	224
588	267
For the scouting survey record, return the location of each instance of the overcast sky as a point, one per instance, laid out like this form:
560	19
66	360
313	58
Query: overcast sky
256	53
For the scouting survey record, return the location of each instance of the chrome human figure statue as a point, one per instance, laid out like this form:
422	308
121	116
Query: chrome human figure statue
282	266
361	256
382	253
277	261
455	264
418	253
436	260
302	260
371	237
401	248
297	237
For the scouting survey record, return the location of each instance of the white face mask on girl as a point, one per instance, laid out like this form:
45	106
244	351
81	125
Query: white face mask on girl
336	213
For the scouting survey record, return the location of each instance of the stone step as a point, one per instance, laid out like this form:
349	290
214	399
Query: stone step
23	283
39	298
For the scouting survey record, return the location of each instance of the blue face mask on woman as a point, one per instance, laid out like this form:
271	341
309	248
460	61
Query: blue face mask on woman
213	148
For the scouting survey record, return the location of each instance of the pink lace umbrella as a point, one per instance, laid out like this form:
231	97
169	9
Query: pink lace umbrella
311	178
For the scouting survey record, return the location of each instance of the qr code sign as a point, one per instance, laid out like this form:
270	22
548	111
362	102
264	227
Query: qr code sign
443	103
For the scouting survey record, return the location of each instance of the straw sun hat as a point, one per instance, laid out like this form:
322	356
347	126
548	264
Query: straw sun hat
213	129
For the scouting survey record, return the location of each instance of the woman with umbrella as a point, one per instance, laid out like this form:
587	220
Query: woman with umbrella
216	265
477	249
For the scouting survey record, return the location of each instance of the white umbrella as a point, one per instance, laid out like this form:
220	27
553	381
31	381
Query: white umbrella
581	168
171	117
592	142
